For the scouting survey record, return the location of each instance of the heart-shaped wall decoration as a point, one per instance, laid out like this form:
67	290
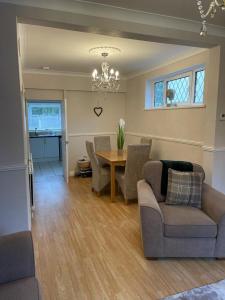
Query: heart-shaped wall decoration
98	110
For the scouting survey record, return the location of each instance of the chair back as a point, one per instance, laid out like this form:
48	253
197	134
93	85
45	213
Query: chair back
92	156
152	173
146	141
137	156
102	143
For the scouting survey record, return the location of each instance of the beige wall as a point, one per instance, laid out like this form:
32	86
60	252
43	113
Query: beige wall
194	134
177	133
83	124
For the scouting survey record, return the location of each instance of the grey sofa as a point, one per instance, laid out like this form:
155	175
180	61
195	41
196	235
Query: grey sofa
17	268
179	231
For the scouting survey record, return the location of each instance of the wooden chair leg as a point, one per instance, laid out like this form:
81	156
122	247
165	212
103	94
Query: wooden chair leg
126	201
92	189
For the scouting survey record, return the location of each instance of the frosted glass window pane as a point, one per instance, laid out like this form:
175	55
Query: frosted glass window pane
158	94
199	86
181	87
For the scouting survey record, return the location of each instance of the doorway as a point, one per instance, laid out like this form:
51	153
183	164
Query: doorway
47	138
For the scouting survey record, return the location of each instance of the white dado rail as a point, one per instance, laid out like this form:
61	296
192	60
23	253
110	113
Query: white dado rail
90	134
200	144
167	139
180	141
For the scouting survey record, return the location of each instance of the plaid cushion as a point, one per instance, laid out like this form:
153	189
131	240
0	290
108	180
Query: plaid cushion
184	188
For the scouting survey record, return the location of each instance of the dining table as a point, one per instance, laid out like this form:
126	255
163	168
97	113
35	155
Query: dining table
113	158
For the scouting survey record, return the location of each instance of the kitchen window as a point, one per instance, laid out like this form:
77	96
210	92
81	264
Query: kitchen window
185	88
44	116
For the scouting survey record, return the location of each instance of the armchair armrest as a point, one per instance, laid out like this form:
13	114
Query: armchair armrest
151	219
16	257
213	204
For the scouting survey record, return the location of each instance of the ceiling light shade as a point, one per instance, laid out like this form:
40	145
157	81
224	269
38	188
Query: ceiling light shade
211	11
108	80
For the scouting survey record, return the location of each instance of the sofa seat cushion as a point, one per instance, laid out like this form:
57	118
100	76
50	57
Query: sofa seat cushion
187	222
23	289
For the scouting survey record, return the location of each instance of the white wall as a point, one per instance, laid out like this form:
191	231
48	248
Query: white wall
83	124
14	196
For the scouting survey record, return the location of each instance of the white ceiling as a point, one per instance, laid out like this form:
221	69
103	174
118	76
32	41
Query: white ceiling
68	51
186	9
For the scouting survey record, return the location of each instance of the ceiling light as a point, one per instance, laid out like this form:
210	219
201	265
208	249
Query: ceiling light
46	68
108	80
211	11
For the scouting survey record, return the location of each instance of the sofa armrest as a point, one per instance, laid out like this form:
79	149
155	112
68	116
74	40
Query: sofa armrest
151	219
213	204
16	257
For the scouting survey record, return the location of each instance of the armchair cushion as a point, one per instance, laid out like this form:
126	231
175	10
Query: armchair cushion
184	188
187	222
23	289
16	257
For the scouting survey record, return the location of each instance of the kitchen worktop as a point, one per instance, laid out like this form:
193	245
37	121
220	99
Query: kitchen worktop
45	135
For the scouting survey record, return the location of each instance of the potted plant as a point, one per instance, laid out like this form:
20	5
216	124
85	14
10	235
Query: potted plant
121	135
170	94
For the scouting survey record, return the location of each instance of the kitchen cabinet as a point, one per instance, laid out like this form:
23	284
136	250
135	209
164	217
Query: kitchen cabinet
44	148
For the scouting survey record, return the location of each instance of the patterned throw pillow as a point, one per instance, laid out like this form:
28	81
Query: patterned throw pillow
184	188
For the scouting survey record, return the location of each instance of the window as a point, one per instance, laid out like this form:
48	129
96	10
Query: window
44	116
188	89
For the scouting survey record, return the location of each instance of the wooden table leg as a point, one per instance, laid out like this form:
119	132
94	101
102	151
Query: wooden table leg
113	182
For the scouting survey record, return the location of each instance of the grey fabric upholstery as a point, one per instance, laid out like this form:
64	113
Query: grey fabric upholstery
213	204
17	268
137	156
152	173
102	143
16	257
146	141
178	231
187	222
100	175
23	289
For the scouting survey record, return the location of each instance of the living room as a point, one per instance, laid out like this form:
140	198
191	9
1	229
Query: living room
86	246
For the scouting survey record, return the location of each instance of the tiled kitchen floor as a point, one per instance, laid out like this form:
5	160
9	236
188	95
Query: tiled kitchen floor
43	170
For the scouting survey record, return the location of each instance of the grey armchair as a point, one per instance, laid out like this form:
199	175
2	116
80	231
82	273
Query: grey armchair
100	175
17	268
179	231
137	156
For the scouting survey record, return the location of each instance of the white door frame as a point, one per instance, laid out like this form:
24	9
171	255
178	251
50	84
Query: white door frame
65	140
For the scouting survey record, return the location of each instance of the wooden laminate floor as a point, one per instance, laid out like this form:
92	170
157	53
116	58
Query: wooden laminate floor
89	248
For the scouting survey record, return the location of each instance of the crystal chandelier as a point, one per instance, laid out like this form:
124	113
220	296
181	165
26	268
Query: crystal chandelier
211	11
109	79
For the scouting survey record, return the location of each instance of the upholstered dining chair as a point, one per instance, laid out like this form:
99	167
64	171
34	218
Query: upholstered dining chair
102	143
146	141
100	175
137	156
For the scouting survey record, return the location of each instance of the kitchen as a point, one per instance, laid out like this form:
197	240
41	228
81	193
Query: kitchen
45	137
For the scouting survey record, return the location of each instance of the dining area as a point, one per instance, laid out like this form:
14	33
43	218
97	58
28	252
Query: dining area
120	169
